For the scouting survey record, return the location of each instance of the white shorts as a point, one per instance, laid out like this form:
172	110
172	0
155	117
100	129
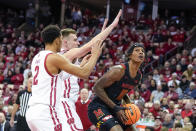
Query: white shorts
69	112
45	118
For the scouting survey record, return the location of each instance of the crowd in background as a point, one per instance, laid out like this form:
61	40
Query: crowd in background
166	97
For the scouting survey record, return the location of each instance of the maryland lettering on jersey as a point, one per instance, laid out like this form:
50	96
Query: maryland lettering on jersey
99	113
127	86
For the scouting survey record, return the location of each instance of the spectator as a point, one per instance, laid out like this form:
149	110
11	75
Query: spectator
7	96
187	124
82	109
188	110
145	93
180	104
184	83
7	79
178	90
167	75
177	126
157	95
194	63
164	104
178	117
156	76
158	37
178	70
189	72
137	97
153	85
173	65
168	122
164	84
9	112
183	64
171	94
191	91
174	79
171	107
30	14
22	105
1	106
193	119
1	76
147	82
18	78
155	109
4	125
157	124
145	113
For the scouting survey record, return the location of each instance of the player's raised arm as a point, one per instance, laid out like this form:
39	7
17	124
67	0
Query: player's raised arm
60	63
80	52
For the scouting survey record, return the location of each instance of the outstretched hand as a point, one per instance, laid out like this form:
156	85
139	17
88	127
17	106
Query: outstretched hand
104	24
116	20
97	47
85	60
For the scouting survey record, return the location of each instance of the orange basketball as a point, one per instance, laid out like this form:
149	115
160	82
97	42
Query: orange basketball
133	114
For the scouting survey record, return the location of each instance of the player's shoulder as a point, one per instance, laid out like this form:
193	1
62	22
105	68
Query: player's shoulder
54	56
117	71
118	68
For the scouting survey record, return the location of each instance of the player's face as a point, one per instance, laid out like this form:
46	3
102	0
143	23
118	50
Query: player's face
59	44
72	41
138	55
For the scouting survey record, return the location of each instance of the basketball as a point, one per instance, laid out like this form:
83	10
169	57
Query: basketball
133	114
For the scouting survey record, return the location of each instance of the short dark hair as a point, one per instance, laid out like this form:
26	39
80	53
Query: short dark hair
50	33
132	47
67	31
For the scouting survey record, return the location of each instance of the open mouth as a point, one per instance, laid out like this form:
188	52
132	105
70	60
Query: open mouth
141	57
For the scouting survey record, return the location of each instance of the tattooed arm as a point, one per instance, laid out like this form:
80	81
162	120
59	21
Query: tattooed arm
114	74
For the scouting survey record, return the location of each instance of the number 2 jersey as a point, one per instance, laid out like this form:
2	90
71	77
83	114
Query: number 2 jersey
46	88
120	88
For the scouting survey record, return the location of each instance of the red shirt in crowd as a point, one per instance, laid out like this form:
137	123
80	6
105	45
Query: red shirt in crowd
154	111
171	111
160	51
82	110
146	95
185	113
17	79
174	95
1	78
158	129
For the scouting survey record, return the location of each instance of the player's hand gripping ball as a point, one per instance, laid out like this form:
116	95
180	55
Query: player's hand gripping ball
133	114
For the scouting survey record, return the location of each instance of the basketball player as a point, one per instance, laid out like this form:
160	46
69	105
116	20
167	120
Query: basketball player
105	111
72	53
43	113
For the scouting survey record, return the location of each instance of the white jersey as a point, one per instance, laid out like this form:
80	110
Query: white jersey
69	97
46	88
70	84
